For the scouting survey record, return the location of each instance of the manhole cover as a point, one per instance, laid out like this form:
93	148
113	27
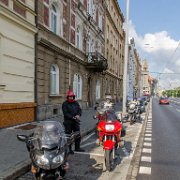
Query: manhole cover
26	127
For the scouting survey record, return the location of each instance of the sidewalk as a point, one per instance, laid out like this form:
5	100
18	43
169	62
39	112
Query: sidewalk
14	157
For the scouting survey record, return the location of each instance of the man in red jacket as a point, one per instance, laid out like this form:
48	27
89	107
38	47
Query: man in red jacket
72	112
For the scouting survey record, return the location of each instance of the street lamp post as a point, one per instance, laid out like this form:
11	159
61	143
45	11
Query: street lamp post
126	59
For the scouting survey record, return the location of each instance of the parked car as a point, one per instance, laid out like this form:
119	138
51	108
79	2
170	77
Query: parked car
163	100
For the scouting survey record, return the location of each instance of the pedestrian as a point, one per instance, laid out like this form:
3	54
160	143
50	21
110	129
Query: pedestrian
72	112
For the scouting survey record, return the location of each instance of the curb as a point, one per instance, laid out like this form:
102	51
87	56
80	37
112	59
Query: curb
24	166
134	164
18	170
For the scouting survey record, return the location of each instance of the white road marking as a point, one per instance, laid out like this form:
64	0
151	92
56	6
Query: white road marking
89	153
148	128
87	137
148	131
147	144
87	144
178	110
148	135
146	159
144	170
148	139
146	150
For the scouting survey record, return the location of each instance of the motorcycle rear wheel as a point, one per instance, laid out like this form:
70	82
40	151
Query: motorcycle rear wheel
108	159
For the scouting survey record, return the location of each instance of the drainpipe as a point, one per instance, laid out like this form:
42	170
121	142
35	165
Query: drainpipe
69	74
35	70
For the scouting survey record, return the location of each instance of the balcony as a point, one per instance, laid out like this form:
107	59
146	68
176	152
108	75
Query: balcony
96	62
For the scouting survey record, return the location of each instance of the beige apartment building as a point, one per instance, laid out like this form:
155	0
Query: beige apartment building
17	62
114	49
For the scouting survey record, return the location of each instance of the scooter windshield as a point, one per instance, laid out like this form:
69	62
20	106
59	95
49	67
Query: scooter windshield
49	135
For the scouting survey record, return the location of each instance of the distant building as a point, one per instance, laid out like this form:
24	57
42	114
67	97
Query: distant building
17	62
146	80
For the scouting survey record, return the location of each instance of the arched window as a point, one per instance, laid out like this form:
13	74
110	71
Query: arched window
98	88
53	16
54	80
77	86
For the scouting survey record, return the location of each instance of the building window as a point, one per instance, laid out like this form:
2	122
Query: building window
54	19
89	6
54	80
78	37
19	9
77	86
4	2
100	21
98	96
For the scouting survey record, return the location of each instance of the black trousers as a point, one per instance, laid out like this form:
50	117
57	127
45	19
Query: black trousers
72	126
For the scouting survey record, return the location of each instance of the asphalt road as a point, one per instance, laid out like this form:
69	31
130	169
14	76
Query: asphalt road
163	154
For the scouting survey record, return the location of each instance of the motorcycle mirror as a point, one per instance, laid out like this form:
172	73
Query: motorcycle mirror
22	138
94	117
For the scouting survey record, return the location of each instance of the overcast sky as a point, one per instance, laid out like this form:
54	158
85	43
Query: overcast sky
155	26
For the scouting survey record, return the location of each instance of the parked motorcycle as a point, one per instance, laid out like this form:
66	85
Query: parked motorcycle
109	128
133	111
48	150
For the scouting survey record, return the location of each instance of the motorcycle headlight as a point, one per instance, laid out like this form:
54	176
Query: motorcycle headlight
59	158
109	127
42	160
132	106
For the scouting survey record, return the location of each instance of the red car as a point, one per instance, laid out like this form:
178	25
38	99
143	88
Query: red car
163	100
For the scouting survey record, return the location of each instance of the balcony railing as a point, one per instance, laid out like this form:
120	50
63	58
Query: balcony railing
96	62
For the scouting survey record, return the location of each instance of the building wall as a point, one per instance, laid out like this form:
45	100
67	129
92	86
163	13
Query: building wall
17	55
114	47
62	48
145	74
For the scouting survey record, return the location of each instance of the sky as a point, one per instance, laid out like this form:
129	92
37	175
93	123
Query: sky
155	26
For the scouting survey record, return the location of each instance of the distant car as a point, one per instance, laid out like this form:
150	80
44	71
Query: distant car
163	100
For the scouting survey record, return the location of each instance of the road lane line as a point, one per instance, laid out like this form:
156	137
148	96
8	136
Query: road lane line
144	170
87	144
146	158
146	150
89	153
87	137
148	139
148	135
147	144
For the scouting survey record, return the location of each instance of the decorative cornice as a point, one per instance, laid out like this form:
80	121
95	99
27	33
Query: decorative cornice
60	51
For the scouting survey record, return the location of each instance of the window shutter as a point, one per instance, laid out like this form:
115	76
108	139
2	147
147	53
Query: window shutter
46	15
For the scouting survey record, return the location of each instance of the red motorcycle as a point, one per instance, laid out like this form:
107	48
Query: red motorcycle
109	128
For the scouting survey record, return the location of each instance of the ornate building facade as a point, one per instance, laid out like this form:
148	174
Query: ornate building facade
17	62
70	53
114	49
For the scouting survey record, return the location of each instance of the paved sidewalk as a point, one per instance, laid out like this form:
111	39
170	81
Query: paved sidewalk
13	154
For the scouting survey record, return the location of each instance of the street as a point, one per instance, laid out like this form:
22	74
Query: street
160	158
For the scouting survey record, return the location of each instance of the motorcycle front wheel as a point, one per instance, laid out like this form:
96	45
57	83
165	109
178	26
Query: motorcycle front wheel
108	159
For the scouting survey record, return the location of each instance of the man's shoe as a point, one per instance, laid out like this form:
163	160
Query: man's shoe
71	152
79	150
